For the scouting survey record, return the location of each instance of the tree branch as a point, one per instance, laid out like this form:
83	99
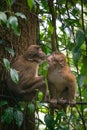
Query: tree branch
53	35
67	103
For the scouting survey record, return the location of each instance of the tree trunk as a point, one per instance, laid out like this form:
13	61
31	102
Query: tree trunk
29	35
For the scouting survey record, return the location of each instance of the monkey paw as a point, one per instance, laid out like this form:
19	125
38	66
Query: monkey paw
53	102
72	103
62	101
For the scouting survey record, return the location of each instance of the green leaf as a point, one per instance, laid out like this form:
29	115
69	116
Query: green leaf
76	55
30	3
49	120
81	80
10	50
13	21
2	103
80	38
3	17
7	117
40	96
14	75
50	28
84	65
8	2
18	116
20	15
45	5
6	63
38	104
31	108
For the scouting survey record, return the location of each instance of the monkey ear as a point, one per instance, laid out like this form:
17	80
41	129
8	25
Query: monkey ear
29	54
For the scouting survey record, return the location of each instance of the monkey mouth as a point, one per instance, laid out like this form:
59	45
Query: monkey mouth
49	62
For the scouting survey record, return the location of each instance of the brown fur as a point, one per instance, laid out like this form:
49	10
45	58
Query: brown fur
27	67
61	82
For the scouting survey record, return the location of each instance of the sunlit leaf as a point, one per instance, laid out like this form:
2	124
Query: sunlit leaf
14	75
30	3
40	96
13	21
44	17
6	63
3	17
20	15
50	28
18	116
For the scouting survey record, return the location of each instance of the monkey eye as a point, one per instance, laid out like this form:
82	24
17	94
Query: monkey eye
54	59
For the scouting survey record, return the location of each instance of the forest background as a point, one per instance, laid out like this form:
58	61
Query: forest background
56	25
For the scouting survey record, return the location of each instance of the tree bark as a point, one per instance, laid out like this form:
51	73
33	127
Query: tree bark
29	33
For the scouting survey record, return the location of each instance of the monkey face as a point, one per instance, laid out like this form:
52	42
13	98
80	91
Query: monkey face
34	53
56	58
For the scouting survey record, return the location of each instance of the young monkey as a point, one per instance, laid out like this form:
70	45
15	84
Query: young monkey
61	82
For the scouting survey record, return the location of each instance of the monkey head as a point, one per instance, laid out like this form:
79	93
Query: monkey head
56	59
34	53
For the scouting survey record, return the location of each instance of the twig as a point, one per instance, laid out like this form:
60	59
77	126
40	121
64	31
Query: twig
47	101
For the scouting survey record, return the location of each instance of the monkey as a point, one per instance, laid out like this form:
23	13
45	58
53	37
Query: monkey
61	81
29	81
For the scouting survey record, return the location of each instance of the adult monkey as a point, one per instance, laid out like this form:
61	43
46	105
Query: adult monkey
29	80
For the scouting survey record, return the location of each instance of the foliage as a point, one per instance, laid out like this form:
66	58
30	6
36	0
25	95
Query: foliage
11	114
63	27
13	72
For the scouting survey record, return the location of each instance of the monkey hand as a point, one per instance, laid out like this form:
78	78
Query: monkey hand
62	101
40	78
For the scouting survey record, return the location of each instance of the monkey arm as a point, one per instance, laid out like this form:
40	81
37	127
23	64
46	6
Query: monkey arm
52	90
71	84
71	92
31	90
28	83
34	87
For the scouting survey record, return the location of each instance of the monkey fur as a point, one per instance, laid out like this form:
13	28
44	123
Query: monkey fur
27	67
61	81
